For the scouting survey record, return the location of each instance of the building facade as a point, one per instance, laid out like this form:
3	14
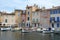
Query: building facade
23	19
0	18
28	16
29	11
18	17
36	18
33	16
44	19
55	18
8	19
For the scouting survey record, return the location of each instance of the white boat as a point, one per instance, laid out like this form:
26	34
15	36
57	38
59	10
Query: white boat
5	29
47	31
15	29
39	30
24	31
33	29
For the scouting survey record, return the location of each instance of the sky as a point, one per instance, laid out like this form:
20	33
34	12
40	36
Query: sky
11	5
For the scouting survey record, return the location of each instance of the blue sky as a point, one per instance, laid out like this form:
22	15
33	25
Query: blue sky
10	5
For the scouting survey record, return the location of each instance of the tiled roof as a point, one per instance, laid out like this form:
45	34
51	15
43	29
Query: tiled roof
4	13
18	10
8	14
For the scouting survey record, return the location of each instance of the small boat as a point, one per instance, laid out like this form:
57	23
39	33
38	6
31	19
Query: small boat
5	29
16	29
47	31
39	30
24	31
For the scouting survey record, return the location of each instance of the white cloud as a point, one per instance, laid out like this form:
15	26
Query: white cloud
9	5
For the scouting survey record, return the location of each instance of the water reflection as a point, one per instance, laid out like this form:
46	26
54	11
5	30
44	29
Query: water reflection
8	35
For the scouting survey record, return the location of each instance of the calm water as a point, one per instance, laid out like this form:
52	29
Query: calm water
8	35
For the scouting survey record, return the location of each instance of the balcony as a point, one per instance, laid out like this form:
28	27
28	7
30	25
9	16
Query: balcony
52	21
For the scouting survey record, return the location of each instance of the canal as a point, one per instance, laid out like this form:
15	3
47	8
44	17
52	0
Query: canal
17	35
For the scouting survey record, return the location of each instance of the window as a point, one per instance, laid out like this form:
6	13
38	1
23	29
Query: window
59	11
4	24
28	19
35	24
56	11
57	19
28	13
36	20
33	20
50	11
53	11
0	24
53	18
28	7
57	24
27	24
50	19
18	13
6	20
52	25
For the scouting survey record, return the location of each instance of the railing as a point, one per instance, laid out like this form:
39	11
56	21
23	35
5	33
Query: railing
54	21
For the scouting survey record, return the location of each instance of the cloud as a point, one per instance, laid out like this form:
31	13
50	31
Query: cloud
10	5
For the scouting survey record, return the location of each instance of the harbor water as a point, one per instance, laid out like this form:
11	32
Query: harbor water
17	35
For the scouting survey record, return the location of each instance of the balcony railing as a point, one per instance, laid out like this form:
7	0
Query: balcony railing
52	21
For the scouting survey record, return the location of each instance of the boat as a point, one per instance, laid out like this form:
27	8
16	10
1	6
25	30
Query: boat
16	29
57	31
47	31
5	29
24	31
39	30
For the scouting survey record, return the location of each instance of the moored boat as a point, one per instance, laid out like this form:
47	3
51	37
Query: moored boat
47	31
24	31
5	29
39	30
